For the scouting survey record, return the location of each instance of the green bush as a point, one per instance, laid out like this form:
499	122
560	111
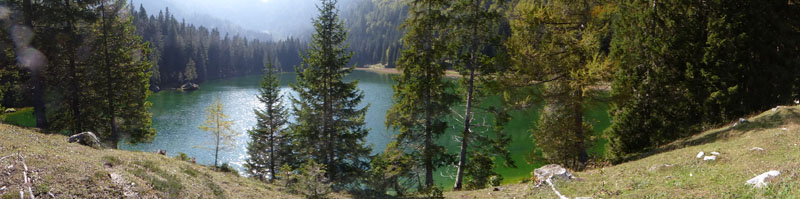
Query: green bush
183	156
311	181
228	169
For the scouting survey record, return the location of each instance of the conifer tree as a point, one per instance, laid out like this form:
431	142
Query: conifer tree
422	97
329	125
562	53
267	137
123	70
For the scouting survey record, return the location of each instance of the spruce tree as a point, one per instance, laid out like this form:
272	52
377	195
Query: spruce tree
267	137
422	97
123	72
329	126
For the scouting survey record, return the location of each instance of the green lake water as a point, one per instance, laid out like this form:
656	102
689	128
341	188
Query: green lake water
176	116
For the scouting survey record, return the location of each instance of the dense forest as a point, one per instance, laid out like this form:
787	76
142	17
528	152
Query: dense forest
668	69
184	53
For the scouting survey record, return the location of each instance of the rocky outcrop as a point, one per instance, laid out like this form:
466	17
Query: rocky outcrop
189	86
551	171
760	180
85	138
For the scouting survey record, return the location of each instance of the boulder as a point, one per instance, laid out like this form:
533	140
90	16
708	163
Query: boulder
85	138
757	149
711	157
760	180
700	155
189	86
551	171
715	153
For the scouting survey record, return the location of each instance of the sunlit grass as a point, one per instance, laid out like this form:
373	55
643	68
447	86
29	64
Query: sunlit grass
778	132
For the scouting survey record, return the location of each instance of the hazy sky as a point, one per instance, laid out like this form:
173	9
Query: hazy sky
278	17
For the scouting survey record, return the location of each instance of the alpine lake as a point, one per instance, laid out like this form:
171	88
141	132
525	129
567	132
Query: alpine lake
177	115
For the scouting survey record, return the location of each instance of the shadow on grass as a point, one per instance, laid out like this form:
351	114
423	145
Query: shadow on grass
768	120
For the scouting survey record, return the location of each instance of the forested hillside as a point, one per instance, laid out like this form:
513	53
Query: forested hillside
375	31
184	52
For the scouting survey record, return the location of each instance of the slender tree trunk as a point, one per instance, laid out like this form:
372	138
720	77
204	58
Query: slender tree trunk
216	151
428	151
583	157
462	162
73	71
472	65
115	136
272	153
39	111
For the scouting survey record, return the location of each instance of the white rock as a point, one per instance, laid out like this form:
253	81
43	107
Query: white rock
742	120
756	149
707	158
700	155
758	181
783	129
690	175
774	109
715	153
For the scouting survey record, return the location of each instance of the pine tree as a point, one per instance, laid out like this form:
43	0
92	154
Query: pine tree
121	56
564	55
267	137
422	97
219	128
329	125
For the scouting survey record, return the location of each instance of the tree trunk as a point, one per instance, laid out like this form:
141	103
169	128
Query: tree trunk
36	80
427	151
583	157
115	135
216	151
462	162
472	65
271	153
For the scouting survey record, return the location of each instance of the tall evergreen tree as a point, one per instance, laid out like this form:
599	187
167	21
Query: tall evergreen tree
422	97
564	54
329	125
267	138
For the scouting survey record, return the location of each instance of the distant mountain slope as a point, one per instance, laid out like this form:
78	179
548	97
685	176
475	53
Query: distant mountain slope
200	19
675	172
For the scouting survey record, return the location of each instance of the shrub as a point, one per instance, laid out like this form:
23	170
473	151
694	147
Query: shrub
183	156
228	169
311	181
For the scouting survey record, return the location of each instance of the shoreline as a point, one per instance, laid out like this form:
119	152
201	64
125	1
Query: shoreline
394	71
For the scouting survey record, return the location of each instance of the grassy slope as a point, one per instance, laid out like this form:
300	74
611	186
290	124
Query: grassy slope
690	177
75	171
